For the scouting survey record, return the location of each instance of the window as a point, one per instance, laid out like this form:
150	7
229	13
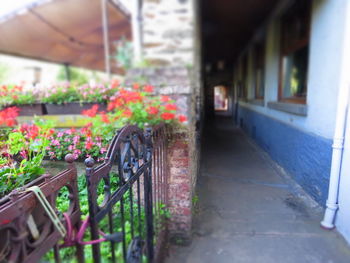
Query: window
242	85
295	27
259	69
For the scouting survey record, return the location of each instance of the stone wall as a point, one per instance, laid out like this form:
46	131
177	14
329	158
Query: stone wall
171	45
168	32
174	82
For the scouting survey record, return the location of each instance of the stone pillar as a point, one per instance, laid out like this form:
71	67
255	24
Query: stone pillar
171	52
168	32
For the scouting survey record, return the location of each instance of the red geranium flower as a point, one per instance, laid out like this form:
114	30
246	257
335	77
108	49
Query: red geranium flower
8	116
104	117
127	113
165	98
86	130
115	83
89	145
129	96
29	130
148	88
136	86
50	132
152	110
116	103
182	118
170	107
167	116
10	122
91	112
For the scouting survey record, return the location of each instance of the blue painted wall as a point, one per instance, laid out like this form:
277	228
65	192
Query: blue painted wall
306	157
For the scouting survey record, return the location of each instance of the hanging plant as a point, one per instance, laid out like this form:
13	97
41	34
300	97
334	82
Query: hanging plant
124	53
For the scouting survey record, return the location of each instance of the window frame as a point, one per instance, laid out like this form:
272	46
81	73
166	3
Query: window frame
259	53
244	76
292	48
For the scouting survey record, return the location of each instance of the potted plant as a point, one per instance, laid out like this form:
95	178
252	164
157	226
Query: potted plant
67	99
25	100
60	100
99	94
22	153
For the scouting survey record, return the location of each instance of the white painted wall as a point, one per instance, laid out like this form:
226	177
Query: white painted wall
343	215
327	29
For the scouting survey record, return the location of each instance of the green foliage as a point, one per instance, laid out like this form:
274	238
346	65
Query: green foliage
97	93
22	155
77	76
124	54
24	98
67	254
61	95
195	200
4	71
144	63
15	95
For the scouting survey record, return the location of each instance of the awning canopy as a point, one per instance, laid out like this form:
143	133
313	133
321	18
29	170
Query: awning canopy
64	31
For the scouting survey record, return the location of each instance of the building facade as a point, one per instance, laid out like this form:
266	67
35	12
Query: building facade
288	81
285	87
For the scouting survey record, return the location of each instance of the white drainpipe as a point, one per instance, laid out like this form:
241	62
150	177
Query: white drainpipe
340	126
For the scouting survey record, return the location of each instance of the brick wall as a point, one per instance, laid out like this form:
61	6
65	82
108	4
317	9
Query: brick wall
180	188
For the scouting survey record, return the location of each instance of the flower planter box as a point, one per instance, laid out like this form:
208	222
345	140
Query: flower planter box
30	109
19	208
71	108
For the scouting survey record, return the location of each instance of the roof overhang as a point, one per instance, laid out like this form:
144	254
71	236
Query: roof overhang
64	31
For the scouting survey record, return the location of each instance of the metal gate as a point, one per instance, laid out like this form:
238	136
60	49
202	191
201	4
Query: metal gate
120	198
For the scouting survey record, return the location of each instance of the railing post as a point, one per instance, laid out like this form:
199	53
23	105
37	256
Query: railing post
69	158
148	193
89	162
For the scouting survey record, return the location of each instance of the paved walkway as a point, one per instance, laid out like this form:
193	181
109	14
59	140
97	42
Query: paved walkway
249	211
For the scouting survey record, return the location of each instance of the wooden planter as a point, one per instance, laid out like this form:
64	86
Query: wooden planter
30	109
71	108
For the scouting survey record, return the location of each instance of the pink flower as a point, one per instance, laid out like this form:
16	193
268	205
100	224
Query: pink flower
76	139
55	142
23	154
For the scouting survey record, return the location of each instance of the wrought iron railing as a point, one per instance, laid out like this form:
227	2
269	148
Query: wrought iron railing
160	175
127	196
128	165
27	231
